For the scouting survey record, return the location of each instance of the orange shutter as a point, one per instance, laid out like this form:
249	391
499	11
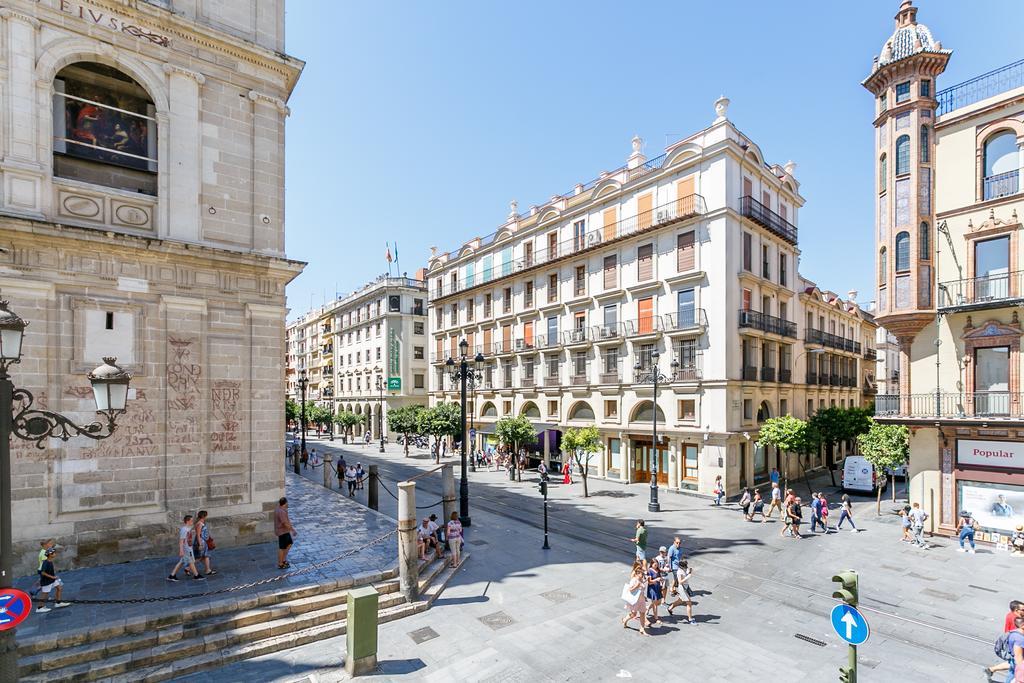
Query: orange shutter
487	340
471	339
643	210
506	337
766	199
528	333
454	343
746	299
440	348
645	315
748	188
609	224
685	203
685	252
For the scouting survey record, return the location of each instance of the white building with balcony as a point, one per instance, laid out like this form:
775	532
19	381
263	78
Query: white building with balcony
690	256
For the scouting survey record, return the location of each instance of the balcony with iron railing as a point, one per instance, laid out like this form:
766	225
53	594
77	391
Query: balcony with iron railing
689	321
767	374
548	341
870	354
610	375
813	336
579	335
1003	79
785	375
1001	185
987	291
579	374
766	323
613	332
812	377
750	373
952	405
552	376
644	326
768	219
659	216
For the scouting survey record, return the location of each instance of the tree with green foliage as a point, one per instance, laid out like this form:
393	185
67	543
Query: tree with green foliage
318	415
791	435
886	447
515	432
444	419
291	411
347	421
405	421
582	443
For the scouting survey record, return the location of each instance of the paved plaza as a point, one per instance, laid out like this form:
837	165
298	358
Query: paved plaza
517	612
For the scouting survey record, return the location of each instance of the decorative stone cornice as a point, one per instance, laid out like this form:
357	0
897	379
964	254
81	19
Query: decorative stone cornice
257	96
8	13
175	69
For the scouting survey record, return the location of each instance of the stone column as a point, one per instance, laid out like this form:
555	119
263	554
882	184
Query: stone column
447	493
627	460
184	155
408	558
21	123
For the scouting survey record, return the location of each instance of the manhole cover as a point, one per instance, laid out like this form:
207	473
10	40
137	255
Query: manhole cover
478	542
497	620
557	596
422	635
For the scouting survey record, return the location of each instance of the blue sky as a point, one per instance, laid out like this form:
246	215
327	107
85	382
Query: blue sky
418	122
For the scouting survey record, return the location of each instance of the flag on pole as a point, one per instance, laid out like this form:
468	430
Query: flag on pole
396	252
387	254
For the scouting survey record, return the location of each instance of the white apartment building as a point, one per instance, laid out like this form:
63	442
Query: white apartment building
365	352
887	363
692	255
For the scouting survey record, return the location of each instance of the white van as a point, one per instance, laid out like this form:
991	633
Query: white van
859	475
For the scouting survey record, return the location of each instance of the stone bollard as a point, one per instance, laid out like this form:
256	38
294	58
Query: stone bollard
447	493
371	494
327	472
361	631
408	557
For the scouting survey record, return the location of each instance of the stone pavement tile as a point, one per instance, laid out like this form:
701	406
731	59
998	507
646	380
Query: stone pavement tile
328	525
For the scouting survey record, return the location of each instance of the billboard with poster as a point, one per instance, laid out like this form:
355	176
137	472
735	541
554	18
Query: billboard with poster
997	507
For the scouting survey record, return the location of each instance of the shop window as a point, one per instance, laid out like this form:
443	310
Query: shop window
614	458
104	129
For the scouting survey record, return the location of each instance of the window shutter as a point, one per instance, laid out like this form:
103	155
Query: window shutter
528	333
748	188
645	261
685	252
609	224
645	315
766	199
440	348
643	210
487	340
610	263
685	202
506	336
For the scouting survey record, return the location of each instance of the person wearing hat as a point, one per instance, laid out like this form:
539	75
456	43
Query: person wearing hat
1017	540
965	528
50	582
664	564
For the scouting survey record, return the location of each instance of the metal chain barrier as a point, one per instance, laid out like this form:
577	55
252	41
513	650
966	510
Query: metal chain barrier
418	507
244	586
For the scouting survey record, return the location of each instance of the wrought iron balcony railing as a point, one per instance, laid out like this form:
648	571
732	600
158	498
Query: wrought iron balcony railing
766	218
749	373
986	291
766	323
1001	185
693	319
980	87
642	326
953	405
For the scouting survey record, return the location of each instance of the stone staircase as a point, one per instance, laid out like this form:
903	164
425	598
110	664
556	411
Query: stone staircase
197	638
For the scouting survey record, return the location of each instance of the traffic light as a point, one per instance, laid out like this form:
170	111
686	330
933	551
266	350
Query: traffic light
847	674
543	488
850	590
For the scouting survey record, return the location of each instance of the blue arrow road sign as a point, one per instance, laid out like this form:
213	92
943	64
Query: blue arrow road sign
849	624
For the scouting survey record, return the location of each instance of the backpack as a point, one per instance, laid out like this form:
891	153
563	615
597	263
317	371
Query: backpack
1002	647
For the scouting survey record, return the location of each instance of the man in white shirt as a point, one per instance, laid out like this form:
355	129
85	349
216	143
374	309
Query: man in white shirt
917	520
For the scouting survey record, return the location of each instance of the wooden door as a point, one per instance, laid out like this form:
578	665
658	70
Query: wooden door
644	462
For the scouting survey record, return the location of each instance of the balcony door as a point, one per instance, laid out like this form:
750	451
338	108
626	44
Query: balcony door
992	269
992	381
686	308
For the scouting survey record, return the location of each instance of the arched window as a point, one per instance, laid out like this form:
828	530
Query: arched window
581	411
883	265
924	243
645	413
488	410
102	118
902	154
883	173
924	144
1001	161
531	410
764	412
902	251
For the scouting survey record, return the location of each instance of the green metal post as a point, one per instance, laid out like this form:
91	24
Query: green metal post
361	631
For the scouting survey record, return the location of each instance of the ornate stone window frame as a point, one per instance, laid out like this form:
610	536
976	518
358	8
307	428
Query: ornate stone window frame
991	334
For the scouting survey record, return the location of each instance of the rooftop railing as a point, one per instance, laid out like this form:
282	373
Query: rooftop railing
980	87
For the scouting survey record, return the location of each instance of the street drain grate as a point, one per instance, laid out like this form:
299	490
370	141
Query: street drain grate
812	641
557	596
497	620
422	635
982	588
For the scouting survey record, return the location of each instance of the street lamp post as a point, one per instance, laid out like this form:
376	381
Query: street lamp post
464	374
303	383
477	379
18	418
380	411
654	376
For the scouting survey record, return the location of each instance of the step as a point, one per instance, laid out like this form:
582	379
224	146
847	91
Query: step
101	633
158	649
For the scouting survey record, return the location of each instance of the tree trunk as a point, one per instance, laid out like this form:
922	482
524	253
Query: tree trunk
807	481
892	482
583	476
832	462
406	439
878	503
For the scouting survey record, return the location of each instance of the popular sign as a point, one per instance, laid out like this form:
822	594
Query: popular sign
990	453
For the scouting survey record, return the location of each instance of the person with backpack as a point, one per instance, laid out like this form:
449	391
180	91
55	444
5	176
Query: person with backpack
1010	648
965	529
1016	610
816	517
719	490
917	519
745	500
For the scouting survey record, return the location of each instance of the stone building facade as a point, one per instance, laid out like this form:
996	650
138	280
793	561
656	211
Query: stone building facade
142	216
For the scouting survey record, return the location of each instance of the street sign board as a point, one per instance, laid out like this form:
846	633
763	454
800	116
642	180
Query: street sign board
849	624
394	383
15	606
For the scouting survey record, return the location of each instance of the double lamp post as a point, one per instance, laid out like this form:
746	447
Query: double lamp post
465	374
18	418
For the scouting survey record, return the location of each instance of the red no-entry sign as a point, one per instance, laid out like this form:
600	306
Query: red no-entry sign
15	606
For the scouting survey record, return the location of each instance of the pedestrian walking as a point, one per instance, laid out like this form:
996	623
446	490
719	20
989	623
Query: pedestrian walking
664	569
640	540
50	582
675	555
776	501
816	519
654	593
341	470
350	480
360	476
905	524
718	490
757	507
454	534
846	513
825	513
314	458
796	515
366	438
774	476
43	547
542	470
285	533
1015	648
634	595
203	541
186	556
567	472
745	504
965	529
304	457
917	519
1009	626
683	574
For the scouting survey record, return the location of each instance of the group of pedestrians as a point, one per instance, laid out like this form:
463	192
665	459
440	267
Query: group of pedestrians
352	475
791	509
194	545
662	580
431	535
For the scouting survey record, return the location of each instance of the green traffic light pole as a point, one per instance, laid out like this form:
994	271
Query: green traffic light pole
849	593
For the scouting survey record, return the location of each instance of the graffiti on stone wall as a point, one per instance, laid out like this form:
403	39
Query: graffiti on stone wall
225	397
183	400
133	436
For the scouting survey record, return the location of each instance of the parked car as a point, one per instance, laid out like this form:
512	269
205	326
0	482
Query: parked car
859	475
